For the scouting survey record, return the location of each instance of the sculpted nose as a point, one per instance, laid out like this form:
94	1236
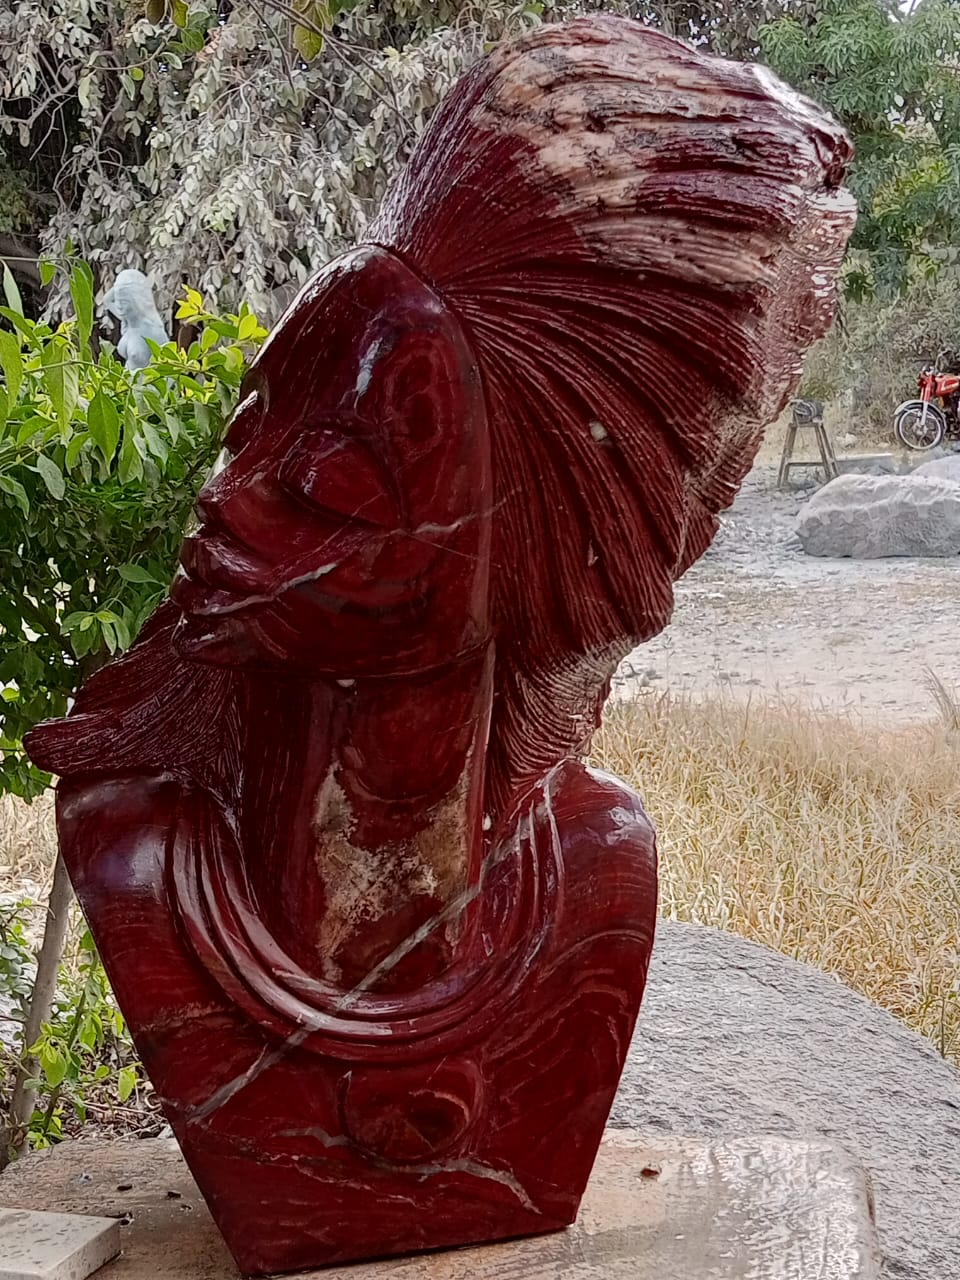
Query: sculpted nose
211	497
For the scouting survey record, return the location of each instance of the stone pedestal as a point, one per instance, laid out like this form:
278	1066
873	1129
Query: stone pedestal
742	1209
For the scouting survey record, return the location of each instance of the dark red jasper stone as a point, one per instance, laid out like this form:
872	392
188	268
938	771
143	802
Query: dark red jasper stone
379	935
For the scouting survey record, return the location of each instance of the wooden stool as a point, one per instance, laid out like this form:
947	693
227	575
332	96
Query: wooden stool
807	414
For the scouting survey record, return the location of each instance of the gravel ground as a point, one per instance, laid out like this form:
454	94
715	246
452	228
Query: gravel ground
756	617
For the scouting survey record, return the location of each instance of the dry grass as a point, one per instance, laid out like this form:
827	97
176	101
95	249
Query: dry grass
832	843
28	841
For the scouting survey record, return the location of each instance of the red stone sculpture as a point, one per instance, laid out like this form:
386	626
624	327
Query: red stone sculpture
379	935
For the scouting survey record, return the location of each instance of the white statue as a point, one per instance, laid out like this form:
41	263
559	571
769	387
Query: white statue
131	301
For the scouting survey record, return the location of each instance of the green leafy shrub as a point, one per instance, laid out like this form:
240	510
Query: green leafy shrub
98	471
86	1064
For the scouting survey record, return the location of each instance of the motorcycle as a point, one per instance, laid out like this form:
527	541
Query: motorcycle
925	423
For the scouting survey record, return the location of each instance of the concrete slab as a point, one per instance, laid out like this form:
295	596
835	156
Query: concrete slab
54	1246
743	1209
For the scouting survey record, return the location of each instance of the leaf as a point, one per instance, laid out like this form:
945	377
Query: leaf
11	292
81	291
103	423
54	1064
190	305
73	449
248	328
135	573
23	325
130	464
11	362
61	380
47	269
109	636
30	428
16	491
124	636
203	415
126	1082
307	43
81	642
180	13
51	475
155	10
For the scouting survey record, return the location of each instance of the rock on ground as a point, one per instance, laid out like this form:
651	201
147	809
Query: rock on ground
945	468
868	517
736	1039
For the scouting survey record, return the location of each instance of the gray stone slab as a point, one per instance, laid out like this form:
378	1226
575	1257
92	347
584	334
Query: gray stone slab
734	1038
671	1209
54	1246
873	464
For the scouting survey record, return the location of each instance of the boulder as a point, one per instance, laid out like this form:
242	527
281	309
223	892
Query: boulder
945	468
868	517
736	1039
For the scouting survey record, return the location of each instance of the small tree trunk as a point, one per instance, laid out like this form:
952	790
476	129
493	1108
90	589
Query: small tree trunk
41	1004
55	927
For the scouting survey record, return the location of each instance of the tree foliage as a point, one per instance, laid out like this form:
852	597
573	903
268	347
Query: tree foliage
239	144
84	1058
213	151
98	470
892	75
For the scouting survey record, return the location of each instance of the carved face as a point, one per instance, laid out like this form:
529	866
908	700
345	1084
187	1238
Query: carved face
345	529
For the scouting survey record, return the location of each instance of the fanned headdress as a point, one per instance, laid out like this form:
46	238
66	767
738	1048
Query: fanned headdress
641	242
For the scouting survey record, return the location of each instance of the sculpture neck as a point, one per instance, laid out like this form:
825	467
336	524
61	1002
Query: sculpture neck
361	817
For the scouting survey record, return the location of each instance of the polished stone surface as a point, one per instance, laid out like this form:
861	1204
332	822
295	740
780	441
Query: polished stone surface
380	936
735	1038
43	1245
667	1209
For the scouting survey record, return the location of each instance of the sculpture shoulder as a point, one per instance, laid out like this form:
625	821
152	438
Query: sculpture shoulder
591	812
115	820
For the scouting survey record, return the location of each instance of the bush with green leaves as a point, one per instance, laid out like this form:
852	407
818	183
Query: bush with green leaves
85	1061
889	72
98	470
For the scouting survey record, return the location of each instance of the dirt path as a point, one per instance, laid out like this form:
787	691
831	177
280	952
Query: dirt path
757	617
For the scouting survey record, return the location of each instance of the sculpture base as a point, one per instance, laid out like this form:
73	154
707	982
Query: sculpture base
762	1208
